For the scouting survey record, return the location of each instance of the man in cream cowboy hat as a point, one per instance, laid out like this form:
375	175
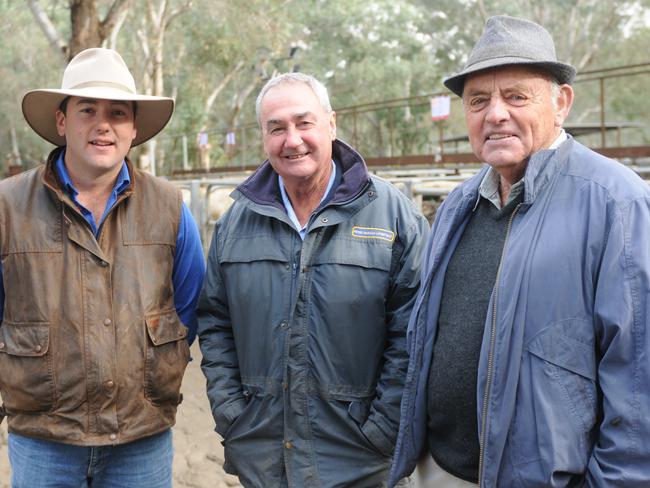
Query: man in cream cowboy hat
529	340
101	267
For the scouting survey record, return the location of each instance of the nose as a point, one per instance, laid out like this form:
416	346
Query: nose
293	138
102	119
497	111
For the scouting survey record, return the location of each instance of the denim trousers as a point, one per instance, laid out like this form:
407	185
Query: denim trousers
145	463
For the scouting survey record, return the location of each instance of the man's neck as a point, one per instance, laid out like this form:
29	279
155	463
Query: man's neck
305	196
507	178
504	189
94	190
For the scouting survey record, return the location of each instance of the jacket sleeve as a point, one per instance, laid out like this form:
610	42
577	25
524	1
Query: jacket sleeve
621	454
219	364
382	424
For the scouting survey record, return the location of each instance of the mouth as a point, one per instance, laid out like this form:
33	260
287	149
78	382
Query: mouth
498	136
295	156
101	143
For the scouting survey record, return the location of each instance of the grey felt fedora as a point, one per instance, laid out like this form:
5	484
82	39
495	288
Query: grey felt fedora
512	41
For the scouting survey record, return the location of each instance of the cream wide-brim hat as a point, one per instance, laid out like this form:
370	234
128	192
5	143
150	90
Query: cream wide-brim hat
101	74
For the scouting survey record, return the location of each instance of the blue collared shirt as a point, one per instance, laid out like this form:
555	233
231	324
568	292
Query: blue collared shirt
189	264
121	183
291	212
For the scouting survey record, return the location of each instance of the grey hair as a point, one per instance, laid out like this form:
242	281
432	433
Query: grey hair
555	92
288	78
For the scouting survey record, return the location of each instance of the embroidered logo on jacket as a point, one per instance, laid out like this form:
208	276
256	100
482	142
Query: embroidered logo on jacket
373	233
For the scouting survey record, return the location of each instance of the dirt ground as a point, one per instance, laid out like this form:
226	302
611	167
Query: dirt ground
198	458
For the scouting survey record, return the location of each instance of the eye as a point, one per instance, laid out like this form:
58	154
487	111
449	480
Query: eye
275	130
477	103
517	99
87	110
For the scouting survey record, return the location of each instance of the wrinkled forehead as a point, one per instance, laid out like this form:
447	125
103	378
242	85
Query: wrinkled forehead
291	100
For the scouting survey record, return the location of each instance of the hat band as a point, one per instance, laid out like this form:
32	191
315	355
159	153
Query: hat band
102	84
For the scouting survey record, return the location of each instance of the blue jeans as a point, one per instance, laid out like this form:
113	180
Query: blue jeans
145	463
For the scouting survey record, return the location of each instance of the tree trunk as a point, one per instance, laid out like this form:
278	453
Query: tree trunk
85	26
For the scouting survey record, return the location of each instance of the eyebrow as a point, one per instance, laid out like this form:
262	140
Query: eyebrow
94	101
475	91
300	116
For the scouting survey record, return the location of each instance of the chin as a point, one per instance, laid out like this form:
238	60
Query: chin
500	159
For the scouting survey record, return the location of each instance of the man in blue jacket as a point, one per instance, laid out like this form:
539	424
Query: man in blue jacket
311	279
529	338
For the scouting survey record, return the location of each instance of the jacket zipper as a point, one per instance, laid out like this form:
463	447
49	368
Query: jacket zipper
491	351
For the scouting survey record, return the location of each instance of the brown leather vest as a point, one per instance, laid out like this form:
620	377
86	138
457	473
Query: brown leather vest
92	351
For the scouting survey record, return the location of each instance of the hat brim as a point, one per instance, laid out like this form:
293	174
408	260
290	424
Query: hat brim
40	106
563	73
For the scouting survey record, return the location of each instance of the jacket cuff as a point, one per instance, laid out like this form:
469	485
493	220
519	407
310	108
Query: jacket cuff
377	438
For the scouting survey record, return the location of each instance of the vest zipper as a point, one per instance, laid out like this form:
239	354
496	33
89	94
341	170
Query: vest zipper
491	351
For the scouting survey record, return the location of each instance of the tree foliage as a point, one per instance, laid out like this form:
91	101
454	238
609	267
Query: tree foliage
213	56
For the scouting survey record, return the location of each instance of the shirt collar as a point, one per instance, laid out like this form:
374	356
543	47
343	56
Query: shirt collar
287	203
121	183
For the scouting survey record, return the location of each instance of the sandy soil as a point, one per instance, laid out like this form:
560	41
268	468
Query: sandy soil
198	456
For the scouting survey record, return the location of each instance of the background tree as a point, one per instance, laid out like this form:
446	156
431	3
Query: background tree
214	55
87	27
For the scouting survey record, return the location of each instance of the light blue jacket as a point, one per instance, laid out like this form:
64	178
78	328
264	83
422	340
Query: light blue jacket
564	372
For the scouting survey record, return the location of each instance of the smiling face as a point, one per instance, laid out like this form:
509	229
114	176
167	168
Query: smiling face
297	133
98	134
510	115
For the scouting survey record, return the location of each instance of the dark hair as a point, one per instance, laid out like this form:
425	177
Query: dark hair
63	106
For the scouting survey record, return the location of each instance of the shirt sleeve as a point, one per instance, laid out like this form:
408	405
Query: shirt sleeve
188	272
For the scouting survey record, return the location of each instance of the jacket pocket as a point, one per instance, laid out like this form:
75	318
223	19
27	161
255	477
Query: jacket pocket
571	363
167	355
358	411
26	372
233	421
557	403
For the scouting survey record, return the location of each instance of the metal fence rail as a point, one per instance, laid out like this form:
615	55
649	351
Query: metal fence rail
415	183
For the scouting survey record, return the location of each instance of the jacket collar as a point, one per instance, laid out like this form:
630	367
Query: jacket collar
262	186
542	168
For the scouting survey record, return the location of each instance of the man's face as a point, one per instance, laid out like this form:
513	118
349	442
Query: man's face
98	133
297	133
510	115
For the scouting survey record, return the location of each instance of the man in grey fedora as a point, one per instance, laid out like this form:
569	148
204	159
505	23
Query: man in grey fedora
529	339
101	269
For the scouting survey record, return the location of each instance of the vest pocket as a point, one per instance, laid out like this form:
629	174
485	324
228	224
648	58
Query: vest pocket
27	379
167	356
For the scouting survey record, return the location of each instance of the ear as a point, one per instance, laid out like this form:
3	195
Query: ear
135	132
60	123
564	102
333	125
